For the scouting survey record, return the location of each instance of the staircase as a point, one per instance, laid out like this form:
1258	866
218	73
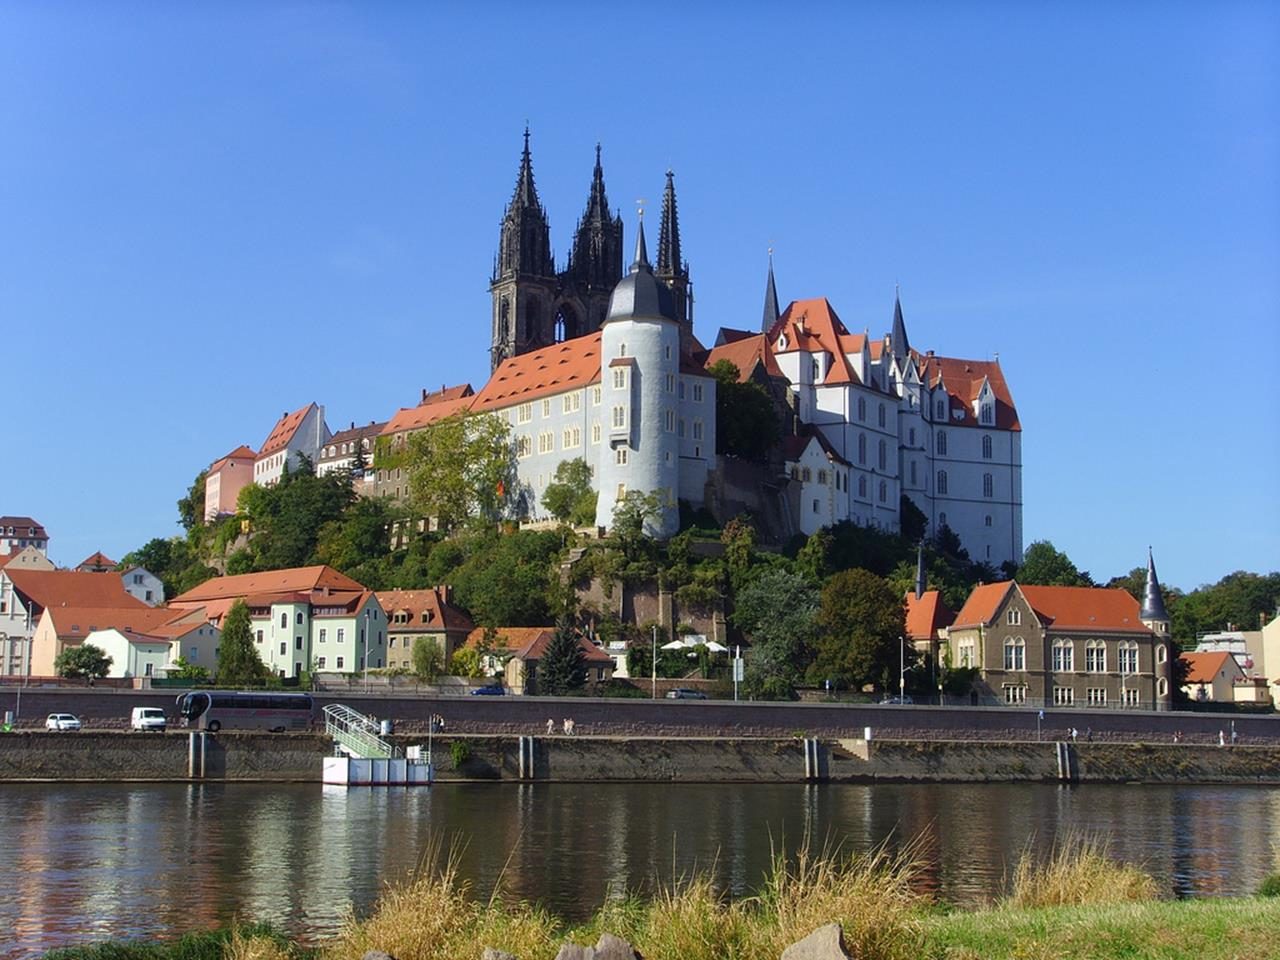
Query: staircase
356	735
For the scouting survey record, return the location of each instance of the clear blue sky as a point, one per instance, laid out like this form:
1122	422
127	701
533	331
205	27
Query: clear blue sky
212	213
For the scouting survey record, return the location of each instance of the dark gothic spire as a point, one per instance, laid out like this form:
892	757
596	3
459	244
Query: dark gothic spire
524	246
596	259
641	262
1153	599
921	582
669	262
898	344
770	300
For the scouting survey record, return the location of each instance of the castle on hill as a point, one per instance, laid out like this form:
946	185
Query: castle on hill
594	361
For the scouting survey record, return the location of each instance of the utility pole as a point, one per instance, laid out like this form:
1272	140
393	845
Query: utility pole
902	669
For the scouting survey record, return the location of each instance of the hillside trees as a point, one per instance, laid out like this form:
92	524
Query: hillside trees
1045	565
746	422
462	467
285	519
569	496
562	669
861	622
778	610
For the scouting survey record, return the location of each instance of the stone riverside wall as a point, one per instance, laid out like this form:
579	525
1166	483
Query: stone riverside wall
113	756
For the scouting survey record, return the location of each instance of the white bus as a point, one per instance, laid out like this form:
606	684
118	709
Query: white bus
245	710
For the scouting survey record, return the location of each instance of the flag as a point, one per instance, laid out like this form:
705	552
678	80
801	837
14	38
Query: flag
502	489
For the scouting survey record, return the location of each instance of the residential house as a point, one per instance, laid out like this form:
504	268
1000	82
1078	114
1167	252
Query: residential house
224	480
417	615
19	532
295	435
97	562
516	652
1212	676
143	584
819	480
302	618
1061	646
28	558
26	593
347	449
141	641
389	476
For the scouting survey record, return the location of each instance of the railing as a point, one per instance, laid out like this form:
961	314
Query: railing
357	734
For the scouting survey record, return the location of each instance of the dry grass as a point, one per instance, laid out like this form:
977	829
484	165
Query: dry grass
1078	871
253	947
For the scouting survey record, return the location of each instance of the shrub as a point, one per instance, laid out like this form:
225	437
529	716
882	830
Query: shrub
459	753
1078	870
1270	886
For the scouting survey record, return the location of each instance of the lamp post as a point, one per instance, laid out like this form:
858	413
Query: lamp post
902	669
364	638
654	695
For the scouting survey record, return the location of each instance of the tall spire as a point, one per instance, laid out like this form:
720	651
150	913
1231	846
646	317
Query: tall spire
898	344
524	246
641	261
672	269
921	582
526	194
770	300
596	259
1153	599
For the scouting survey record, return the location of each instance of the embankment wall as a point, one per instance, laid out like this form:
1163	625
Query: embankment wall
112	756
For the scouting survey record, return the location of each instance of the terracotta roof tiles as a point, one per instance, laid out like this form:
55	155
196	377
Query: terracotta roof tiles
570	365
284	430
928	615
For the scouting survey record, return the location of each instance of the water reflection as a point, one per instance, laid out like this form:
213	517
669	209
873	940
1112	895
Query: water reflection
86	862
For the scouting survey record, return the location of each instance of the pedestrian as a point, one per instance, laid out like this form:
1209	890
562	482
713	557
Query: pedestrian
572	725
1177	736
1088	734
551	726
1074	734
564	725
1234	736
1222	739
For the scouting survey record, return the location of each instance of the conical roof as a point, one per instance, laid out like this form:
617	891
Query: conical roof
1153	598
640	293
770	300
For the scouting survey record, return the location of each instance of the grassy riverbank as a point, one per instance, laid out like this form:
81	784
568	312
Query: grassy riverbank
1079	903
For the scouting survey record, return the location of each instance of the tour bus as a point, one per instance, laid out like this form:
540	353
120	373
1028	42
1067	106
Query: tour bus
245	710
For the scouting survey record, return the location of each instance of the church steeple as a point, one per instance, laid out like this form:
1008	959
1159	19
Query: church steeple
672	269
770	300
596	260
1153	599
898	344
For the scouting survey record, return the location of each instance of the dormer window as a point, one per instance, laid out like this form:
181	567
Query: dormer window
940	410
782	345
987	413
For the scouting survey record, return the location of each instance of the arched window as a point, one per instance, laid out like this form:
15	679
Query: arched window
862	448
986	485
862	487
884	491
942	482
566	324
940	446
880	415
1162	653
504	320
1015	654
1064	656
1162	687
987	413
942	519
882	455
1095	656
987	520
1128	651
940	410
862	408
986	447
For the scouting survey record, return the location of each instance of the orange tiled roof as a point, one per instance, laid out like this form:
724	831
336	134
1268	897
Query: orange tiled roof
745	352
1205	667
813	326
926	616
97	560
441	615
963	381
64	588
529	643
73	622
447	393
793	447
570	365
284	430
415	418
1059	608
535	649
241	452
293	580
981	605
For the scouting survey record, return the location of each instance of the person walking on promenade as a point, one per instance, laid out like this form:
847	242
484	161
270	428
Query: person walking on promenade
551	726
1222	739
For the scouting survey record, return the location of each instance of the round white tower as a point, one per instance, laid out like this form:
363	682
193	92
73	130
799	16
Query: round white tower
639	377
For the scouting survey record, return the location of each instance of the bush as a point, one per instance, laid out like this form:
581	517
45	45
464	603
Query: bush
459	753
1079	870
1270	886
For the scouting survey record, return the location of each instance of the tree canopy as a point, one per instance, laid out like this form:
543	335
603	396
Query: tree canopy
238	661
562	669
777	609
462	467
746	421
82	662
861	621
1046	566
569	496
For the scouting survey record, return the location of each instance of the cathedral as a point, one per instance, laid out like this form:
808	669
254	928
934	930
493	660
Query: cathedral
601	362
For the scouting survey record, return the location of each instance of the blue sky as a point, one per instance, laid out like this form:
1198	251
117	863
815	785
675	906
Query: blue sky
210	214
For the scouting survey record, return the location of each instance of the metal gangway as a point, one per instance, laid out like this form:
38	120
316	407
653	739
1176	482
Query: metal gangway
356	735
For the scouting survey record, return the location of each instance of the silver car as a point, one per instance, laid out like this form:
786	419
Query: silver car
62	721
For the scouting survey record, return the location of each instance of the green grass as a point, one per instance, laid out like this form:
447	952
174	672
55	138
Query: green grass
206	945
1237	929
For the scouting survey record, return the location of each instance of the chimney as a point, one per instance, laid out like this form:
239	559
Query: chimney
424	394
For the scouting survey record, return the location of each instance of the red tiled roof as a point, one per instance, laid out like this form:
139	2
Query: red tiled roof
794	447
441	615
241	452
1059	608
284	430
355	433
415	418
982	603
745	352
1205	667
447	393
813	326
97	560
509	639
570	365
271	582
66	588
22	527
77	622
963	381
926	616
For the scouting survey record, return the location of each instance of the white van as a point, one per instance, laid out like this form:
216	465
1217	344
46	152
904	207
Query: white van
147	718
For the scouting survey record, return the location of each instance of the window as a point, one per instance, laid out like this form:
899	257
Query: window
986	521
815	506
806	474
320	663
620	456
986	447
911	437
680	393
149	596
862	487
697	429
697	393
882	455
884	492
619	378
940	410
137	578
259	636
297	643
942	482
669	381
322	634
680	428
546	408
940	444
619	417
880	415
1064	656
339	663
1063	696
670	421
1130	698
284	621
572	437
297	618
968	654
1128	656
284	646
1096	696
987	413
1015	693
524	446
666	351
822	477
1162	687
341	631
546	442
986	485
942	517
595	432
571	402
1162	653
1014	617
1095	656
862	408
622	349
862	448
524	413
1015	654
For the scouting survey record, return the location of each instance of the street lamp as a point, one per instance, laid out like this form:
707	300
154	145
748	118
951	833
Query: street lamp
655	662
902	669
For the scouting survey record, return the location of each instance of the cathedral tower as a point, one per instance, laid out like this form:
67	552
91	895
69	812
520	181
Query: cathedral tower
672	269
524	281
595	265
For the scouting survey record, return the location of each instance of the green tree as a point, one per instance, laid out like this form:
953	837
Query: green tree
562	668
632	514
746	421
569	496
739	539
428	659
359	534
82	662
1046	566
813	560
238	661
778	611
191	507
462	467
184	670
506	579
174	561
861	623
465	662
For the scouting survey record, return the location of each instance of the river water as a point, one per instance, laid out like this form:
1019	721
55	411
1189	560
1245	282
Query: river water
88	862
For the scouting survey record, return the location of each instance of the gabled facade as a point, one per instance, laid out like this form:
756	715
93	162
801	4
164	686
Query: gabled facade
143	585
294	436
386	475
516	652
1061	646
97	562
71	625
820	480
224	480
417	615
348	449
152	648
19	532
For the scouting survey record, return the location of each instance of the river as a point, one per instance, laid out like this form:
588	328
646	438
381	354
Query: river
87	862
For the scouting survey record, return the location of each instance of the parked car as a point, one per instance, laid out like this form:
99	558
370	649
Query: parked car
147	718
684	693
62	721
492	690
897	699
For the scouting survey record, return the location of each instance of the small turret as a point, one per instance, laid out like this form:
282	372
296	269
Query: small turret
1153	612
770	300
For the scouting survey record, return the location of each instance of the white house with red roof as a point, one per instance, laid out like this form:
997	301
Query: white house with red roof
295	435
820	480
19	532
224	480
